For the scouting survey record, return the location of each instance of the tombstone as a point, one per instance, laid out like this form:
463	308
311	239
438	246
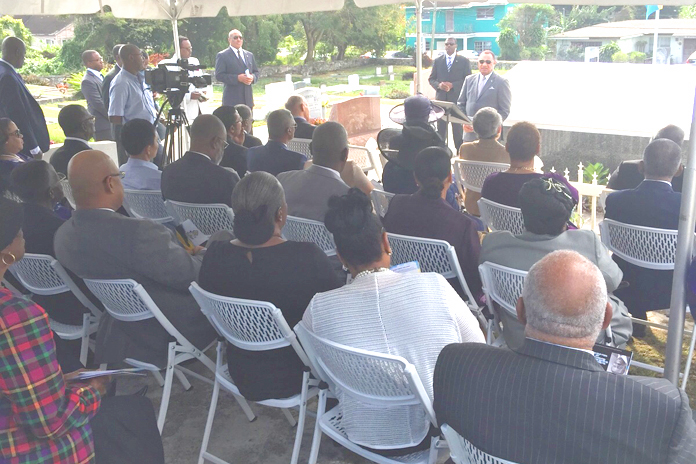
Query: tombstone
299	85
390	69
278	93
360	116
288	78
307	80
354	80
391	77
370	89
378	71
313	97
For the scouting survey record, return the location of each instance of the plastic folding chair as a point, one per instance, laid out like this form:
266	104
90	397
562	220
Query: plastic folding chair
146	204
301	146
44	275
380	201
306	230
127	301
369	377
208	219
471	174
501	217
502	285
67	191
365	159
463	452
649	248
253	326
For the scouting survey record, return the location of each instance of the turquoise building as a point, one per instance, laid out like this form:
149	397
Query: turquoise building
474	26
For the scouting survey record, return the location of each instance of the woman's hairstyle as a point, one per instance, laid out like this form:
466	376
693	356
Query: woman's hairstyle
432	167
256	200
32	181
136	135
546	205
4	129
357	231
11	219
523	140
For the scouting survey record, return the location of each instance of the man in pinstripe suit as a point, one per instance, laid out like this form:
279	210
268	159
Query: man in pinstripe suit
550	401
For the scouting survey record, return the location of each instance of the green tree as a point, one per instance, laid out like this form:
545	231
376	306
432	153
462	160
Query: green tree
530	22
10	26
687	12
510	48
607	51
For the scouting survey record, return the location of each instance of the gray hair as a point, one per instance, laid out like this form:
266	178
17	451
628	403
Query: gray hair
552	309
279	121
661	158
256	200
329	141
294	102
486	122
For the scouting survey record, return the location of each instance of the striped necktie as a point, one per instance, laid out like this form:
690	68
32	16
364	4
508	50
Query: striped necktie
449	63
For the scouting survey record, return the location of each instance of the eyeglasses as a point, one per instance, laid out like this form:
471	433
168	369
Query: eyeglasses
237	37
450	44
119	174
485	61
224	142
89	119
16	133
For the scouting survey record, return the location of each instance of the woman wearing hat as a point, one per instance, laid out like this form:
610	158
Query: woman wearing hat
46	417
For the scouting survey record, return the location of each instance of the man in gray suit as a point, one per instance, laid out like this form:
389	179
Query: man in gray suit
236	69
91	88
484	89
550	401
307	192
98	243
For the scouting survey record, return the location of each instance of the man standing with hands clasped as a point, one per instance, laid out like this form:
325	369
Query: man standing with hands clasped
447	78
236	68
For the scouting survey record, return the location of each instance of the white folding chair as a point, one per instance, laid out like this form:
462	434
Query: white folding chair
501	217
378	379
301	146
306	230
67	191
463	452
207	218
470	175
649	248
44	275
380	201
502	285
127	301
365	159
146	204
253	326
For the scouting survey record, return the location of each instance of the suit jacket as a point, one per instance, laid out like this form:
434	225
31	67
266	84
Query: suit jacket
227	67
101	244
235	157
193	178
304	129
18	104
456	75
307	192
550	404
106	85
651	204
487	150
91	87
628	176
250	141
274	157
62	156
523	251
496	94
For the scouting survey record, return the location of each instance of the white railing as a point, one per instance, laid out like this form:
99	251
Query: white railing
592	190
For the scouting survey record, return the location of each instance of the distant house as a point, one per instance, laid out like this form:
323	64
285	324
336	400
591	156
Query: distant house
676	37
473	25
49	30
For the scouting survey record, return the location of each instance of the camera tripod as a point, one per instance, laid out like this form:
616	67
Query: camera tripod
176	124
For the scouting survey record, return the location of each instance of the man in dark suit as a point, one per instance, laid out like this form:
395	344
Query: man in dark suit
550	401
484	89
629	174
197	177
447	78
274	157
652	204
236	69
98	243
235	155
91	87
17	103
246	138
297	105
78	127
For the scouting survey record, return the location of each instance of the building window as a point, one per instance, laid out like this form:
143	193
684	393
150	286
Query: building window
664	42
585	44
426	15
482	45
449	21
485	13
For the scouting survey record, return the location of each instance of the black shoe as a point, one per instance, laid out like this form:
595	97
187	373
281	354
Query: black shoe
639	330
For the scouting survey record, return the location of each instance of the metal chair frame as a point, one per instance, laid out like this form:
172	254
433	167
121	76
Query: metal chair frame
146	204
493	216
305	230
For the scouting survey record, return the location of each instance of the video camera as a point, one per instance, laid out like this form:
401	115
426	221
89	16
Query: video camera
164	79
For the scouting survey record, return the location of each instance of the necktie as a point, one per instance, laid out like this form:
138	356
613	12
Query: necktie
241	57
482	82
449	63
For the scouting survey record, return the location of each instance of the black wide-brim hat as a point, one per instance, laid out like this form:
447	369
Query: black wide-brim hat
416	108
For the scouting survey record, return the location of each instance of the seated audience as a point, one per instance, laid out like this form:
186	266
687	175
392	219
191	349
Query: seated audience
11	143
652	204
260	265
307	192
488	125
297	105
46	416
546	206
141	143
629	174
98	243
274	157
78	126
235	155
245	138
550	401
411	314
197	177
426	214
523	143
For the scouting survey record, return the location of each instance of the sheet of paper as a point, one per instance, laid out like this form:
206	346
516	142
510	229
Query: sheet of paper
194	235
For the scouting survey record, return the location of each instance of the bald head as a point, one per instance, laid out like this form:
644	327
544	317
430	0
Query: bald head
13	51
208	136
131	57
330	145
297	105
564	300
95	181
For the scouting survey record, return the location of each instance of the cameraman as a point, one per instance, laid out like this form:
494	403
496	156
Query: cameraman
194	100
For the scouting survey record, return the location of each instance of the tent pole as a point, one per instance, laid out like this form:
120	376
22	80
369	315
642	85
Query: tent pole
433	18
419	44
685	243
175	31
